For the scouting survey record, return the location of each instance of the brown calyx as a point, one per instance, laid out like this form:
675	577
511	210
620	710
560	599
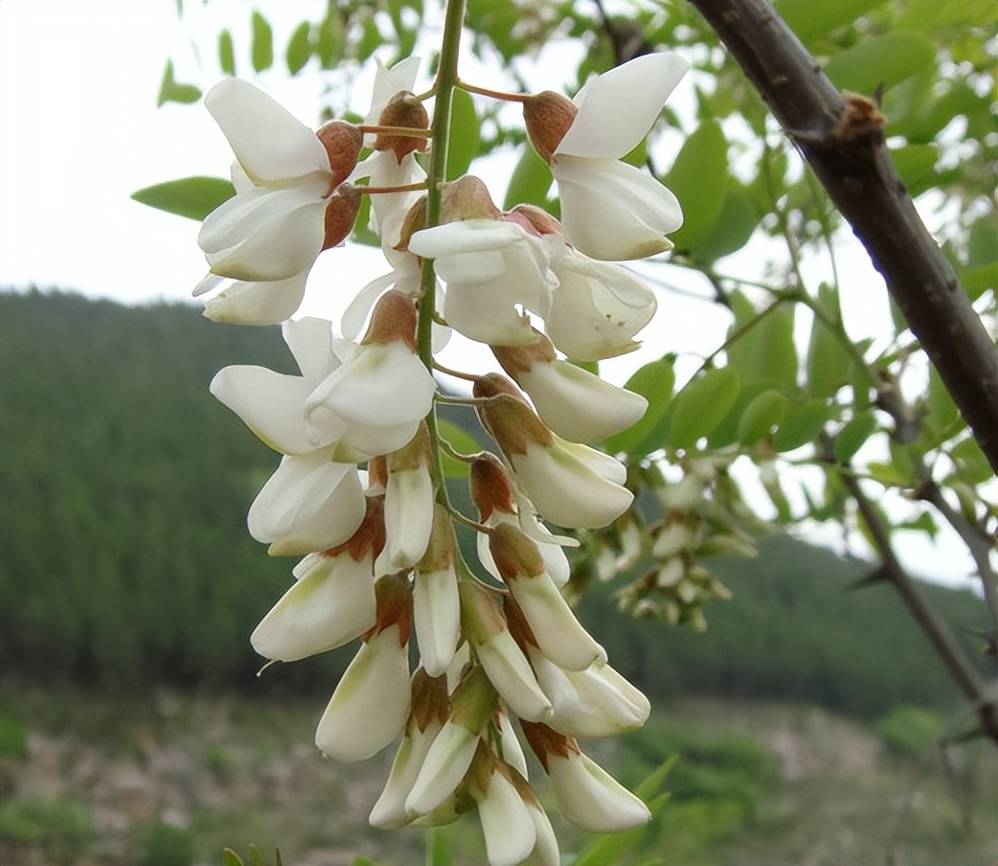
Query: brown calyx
414	221
517	624
474	701
370	535
515	555
481	617
415	453
377	473
342	142
393	595
519	359
534	219
490	486
340	215
439	554
394	318
467	198
508	417
548	116
430	701
545	742
403	109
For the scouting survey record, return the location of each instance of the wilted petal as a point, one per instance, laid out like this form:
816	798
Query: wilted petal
330	605
389	811
590	797
269	142
618	108
371	703
437	615
443	768
506	823
613	211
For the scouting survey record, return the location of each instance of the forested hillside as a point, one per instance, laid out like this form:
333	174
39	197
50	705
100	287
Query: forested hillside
124	560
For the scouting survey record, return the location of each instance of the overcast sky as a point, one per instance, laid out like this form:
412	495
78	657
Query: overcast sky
81	132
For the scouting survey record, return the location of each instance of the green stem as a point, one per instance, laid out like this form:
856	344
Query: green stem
435	176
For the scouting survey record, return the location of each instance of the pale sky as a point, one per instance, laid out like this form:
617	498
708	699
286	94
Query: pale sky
81	132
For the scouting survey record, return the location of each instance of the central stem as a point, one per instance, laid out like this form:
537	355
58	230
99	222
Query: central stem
435	176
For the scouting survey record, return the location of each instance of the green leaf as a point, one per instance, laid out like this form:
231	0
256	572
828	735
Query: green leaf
914	164
463	441
812	18
370	38
191	197
654	381
761	416
699	178
530	181
982	243
172	91
465	135
734	226
942	410
976	281
886	60
262	50
701	405
931	15
299	48
829	364
853	435
231	858
886	473
226	53
802	424
362	233
972	465
766	351
329	41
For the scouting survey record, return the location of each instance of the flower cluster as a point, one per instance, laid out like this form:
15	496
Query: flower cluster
359	492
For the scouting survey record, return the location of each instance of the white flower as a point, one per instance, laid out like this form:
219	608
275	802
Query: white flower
512	751
590	797
612	210
545	851
673	538
371	702
443	768
491	267
389	812
437	615
597	309
388	81
409	511
507	824
571	401
284	213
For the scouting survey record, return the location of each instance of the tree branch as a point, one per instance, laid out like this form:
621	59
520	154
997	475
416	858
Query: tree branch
842	136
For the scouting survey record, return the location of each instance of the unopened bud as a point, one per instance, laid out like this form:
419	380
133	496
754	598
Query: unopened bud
467	198
342	142
394	318
491	489
512	423
341	214
548	116
403	109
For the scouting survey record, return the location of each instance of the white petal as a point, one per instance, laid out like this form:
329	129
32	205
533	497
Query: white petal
607	705
461	658
465	236
577	405
311	342
603	464
371	703
380	386
545	851
269	302
566	491
308	504
356	313
443	769
556	684
437	615
361	442
481	313
408	517
512	751
269	142
389	811
509	672
611	210
332	604
619	107
270	404
559	634
208	284
388	81
506	823
591	798
535	529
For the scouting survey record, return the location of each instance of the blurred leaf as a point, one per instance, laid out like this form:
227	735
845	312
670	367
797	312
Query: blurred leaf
191	197
370	38
942	410
362	233
231	858
226	53
767	350
654	381
530	181
887	60
853	435
972	465
914	164
699	178
465	135
463	441
923	523
172	91
299	48
976	281
761	416
930	15
734	226
262	51
802	424
808	18
329	42
886	473
829	365
982	243
438	848
701	405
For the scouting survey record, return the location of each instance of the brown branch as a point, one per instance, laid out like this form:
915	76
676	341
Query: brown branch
842	136
960	667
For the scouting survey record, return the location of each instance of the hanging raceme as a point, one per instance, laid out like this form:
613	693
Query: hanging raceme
360	490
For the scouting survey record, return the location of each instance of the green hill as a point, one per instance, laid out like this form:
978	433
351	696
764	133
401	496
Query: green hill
124	558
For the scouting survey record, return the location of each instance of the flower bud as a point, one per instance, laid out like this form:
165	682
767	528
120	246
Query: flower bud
333	601
586	794
403	109
467	198
507	825
504	662
340	215
571	401
490	486
436	603
342	142
408	503
548	115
